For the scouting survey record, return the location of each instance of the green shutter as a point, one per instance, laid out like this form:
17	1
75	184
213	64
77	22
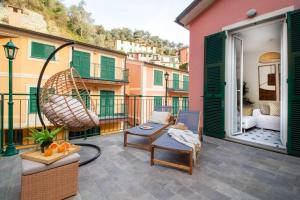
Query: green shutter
175	81
158	77
41	51
157	102
32	100
107	103
185	104
81	62
107	68
175	105
293	144
185	82
214	77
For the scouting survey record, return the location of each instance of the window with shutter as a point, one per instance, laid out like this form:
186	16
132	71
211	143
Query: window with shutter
175	105
157	102
41	51
175	81
81	62
214	77
158	77
185	104
293	144
185	82
107	103
32	100
107	68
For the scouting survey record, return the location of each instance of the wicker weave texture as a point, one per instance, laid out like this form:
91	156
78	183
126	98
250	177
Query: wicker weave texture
53	184
63	88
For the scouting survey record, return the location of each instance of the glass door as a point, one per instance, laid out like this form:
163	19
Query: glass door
237	84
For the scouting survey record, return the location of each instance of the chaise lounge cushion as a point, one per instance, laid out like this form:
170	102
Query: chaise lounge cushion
160	117
31	167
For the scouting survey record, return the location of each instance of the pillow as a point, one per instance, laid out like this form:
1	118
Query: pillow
180	126
160	117
264	108
275	108
247	111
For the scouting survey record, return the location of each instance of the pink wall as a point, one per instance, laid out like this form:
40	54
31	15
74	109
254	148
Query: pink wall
218	15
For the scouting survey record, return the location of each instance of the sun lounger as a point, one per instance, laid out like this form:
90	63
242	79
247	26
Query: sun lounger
149	135
165	142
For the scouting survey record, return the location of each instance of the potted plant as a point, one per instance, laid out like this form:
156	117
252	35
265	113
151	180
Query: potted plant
44	137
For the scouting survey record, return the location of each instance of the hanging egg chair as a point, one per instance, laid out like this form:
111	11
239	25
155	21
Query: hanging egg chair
65	100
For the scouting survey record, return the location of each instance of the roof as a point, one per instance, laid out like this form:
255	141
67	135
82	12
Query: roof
60	38
192	11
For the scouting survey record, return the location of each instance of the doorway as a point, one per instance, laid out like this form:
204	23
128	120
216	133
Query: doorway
257	101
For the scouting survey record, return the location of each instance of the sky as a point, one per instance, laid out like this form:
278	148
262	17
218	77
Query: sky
155	16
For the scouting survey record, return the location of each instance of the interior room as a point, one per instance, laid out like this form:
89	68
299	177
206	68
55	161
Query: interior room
257	95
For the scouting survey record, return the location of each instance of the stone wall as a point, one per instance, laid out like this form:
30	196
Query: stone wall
23	18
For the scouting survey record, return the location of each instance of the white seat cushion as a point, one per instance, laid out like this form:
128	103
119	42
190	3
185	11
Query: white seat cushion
160	117
31	167
248	122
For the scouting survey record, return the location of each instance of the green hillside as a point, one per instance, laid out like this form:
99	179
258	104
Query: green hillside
76	23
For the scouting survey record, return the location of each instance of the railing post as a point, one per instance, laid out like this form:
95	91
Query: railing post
1	122
134	110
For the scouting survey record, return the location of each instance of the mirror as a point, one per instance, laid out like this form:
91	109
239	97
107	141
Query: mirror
267	82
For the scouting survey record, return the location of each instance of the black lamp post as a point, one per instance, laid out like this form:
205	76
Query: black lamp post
166	94
10	52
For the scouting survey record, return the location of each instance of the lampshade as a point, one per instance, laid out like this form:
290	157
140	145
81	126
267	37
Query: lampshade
10	50
166	76
269	57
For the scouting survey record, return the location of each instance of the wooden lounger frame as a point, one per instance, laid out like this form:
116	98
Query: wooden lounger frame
150	139
188	168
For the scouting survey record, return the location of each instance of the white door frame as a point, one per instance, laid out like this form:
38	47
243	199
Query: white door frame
229	77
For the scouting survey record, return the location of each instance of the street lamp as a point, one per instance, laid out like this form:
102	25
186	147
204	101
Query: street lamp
166	94
10	52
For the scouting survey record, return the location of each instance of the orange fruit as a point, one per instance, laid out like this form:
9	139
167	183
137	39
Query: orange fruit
48	152
61	149
66	144
53	146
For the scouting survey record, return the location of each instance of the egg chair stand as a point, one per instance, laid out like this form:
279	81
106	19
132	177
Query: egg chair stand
61	101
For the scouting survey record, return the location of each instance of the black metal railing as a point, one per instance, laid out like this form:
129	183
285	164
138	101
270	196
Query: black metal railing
116	113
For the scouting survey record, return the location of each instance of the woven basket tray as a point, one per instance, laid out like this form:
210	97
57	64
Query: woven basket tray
38	156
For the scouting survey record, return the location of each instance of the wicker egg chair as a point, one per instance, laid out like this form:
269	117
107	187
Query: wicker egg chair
65	101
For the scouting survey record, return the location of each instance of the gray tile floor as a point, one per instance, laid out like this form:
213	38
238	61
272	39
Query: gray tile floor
225	170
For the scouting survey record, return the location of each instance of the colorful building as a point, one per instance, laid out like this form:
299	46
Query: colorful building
103	71
147	81
244	56
134	47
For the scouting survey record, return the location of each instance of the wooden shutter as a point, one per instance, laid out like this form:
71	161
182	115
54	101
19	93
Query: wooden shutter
107	68
185	82
293	144
175	105
81	62
41	51
32	100
185	104
175	81
158	77
157	101
214	77
107	103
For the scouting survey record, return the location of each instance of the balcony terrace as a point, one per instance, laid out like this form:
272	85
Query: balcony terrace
224	170
177	86
99	74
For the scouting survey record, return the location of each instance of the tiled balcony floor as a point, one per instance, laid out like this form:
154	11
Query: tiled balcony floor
224	170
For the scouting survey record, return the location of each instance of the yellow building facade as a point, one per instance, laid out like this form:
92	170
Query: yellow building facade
103	71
